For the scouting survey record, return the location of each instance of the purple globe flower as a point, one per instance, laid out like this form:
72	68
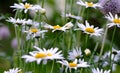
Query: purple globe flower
112	6
4	32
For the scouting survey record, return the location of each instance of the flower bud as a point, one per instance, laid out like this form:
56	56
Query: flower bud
87	52
43	11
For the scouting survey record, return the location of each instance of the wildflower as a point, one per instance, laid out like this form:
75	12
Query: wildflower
30	23
43	54
89	4
14	70
36	8
76	53
16	21
97	70
114	20
4	32
90	29
112	6
87	52
34	33
83	63
69	15
57	27
22	6
73	64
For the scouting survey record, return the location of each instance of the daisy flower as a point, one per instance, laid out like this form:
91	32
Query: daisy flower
69	15
90	29
34	33
114	20
14	70
43	54
16	21
97	70
75	54
83	63
22	6
57	27
89	4
30	23
73	64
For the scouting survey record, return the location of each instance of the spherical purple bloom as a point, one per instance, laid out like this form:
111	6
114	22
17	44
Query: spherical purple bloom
112	6
4	32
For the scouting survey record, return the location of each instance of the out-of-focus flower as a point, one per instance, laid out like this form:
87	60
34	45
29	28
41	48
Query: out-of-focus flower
4	32
57	27
90	29
43	11
43	54
23	22
73	64
69	15
114	20
87	52
97	70
34	33
112	6
16	21
26	7
14	43
22	6
89	4
14	70
76	53
83	63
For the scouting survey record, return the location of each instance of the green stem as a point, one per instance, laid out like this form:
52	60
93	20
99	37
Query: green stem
87	36
96	46
52	67
43	3
103	42
65	11
71	8
113	35
81	71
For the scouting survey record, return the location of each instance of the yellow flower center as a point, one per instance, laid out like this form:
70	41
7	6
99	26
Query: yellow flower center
57	27
116	21
90	4
34	30
27	5
49	54
40	55
72	64
90	30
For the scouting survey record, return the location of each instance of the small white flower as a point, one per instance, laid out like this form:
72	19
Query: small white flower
83	63
73	64
43	54
16	21
14	70
97	70
114	20
36	8
69	15
30	23
89	4
34	33
75	53
57	27
22	6
90	29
